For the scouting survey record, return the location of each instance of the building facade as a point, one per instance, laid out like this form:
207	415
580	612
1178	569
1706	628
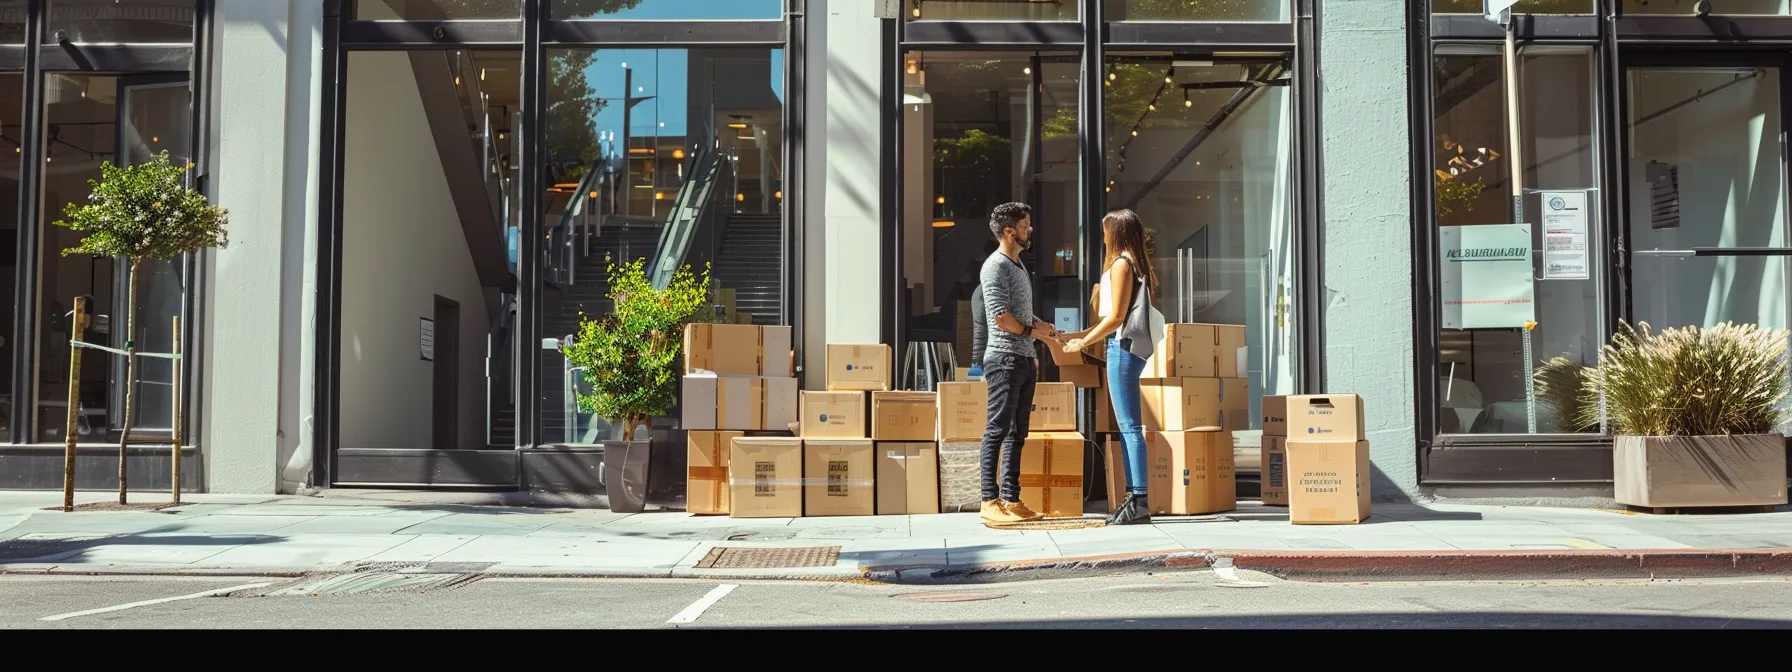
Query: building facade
424	195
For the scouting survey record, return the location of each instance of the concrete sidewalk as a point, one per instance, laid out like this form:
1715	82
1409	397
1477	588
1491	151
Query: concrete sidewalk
436	532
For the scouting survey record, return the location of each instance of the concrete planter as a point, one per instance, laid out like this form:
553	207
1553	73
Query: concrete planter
1699	471
626	467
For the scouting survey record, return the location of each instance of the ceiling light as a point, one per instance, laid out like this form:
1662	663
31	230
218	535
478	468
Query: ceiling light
1027	70
944	223
737	125
941	199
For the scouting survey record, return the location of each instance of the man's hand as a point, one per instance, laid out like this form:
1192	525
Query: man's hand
1044	331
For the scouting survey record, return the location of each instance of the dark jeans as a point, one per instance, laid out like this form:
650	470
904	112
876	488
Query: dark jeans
1011	379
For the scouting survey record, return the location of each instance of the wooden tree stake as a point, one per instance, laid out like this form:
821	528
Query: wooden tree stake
175	489
74	404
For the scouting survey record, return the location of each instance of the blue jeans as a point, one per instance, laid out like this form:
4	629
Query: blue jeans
1124	369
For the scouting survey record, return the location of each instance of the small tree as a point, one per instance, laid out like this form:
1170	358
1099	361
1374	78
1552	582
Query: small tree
141	213
631	356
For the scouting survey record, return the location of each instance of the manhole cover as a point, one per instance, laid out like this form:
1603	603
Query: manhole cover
739	557
115	506
949	597
1049	524
360	583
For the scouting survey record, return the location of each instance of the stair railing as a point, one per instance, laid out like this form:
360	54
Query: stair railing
560	258
686	216
500	354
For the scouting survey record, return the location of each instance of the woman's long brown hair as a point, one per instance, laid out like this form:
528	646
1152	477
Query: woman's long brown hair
1121	231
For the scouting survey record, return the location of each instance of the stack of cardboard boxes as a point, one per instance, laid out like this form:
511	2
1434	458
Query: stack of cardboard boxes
737	379
1274	474
1328	460
1192	397
1051	463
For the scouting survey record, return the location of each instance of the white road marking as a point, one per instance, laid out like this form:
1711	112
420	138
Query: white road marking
1231	575
145	603
690	613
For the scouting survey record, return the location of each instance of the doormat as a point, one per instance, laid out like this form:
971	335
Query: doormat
115	506
743	557
1049	524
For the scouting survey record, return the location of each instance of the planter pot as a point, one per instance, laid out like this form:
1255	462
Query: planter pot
625	469
1699	471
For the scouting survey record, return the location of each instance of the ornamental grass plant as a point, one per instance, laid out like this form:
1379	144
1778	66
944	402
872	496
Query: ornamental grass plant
1725	380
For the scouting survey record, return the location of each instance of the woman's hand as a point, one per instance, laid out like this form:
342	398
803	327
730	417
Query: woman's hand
1074	346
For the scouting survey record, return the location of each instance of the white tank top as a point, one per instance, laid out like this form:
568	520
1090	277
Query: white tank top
1107	301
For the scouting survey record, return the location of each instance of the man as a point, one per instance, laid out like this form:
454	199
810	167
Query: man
1009	366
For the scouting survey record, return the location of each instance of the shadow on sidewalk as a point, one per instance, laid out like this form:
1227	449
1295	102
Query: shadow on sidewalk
22	551
1363	621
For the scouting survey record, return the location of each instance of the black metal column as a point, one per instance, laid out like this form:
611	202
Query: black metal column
327	430
796	103
529	247
198	177
890	111
1310	300
31	143
1092	144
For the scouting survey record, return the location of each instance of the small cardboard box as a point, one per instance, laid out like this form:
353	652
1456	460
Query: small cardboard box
706	488
1054	408
833	415
964	410
1176	404
1191	473
839	477
1197	351
907	478
859	367
961	476
1275	415
1082	375
723	349
1275	470
765	477
780	404
722	402
1228	342
1051	474
904	416
1328	481
1325	416
776	359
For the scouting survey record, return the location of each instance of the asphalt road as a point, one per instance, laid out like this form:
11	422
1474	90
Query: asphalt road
1179	600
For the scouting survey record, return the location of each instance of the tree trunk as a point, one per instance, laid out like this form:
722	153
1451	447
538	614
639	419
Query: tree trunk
130	379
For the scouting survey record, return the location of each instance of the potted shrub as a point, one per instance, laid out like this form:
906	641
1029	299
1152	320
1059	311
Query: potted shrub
1692	413
632	359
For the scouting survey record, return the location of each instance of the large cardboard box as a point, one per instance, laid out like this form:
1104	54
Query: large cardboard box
1082	375
964	410
1325	416
1051	474
839	477
706	490
723	402
1274	475
765	477
1175	404
908	477
723	349
961	476
1054	408
1104	412
833	415
1197	351
1191	472
859	367
1275	415
780	404
1328	481
904	416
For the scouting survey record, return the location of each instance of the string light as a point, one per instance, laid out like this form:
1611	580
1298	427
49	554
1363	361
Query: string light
1120	156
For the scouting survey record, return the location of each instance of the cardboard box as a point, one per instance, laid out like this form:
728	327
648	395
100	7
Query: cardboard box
1325	416
904	416
722	349
1191	472
776	358
1197	351
839	477
706	490
1054	408
1275	415
961	476
1274	474
780	404
964	411
908	478
833	415
1228	343
1328	481
1082	375
1104	413
1176	404
765	477
721	402
1051	474
859	367
1115	460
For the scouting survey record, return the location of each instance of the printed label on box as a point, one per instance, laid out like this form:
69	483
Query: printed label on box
762	479
837	471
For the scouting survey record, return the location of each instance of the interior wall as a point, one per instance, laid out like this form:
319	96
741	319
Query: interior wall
402	246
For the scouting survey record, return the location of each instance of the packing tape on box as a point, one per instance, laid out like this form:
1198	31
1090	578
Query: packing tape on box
780	482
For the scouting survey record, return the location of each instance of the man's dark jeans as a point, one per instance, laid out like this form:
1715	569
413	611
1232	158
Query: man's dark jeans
1011	379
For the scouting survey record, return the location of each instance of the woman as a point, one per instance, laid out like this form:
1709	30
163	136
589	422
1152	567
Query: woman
1124	312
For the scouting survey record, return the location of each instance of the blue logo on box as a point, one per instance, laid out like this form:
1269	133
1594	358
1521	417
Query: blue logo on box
824	417
1310	430
848	367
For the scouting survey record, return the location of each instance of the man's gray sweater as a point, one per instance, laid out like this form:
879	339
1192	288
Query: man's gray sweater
1007	290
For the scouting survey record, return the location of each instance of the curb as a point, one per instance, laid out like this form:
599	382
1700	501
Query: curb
1034	570
1333	566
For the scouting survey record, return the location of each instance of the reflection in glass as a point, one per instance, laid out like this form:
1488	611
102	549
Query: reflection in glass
1523	7
667	10
91	120
157	21
12	21
1481	372
1704	172
980	130
11	115
984	10
1197	10
439	10
1203	152
674	156
1719	7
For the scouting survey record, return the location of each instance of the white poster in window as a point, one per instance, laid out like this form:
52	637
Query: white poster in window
1565	254
428	340
1486	272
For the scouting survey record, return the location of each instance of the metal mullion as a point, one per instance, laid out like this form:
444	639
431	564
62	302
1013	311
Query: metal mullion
116	57
1716	30
664	34
327	383
1614	140
1426	284
1091	123
199	97
1529	27
1310	374
1041	35
359	35
795	104
529	282
1218	34
31	143
890	184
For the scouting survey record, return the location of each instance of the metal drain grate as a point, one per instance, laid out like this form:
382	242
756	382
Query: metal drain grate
363	583
740	557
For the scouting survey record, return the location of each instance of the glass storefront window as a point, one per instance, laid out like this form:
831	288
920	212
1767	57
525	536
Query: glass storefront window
1481	370
1204	153
674	156
1196	10
91	120
1720	7
980	130
1523	7
12	21
667	10
140	21
439	10
983	10
12	111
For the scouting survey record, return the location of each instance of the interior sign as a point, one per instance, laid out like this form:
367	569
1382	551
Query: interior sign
1565	254
1487	276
